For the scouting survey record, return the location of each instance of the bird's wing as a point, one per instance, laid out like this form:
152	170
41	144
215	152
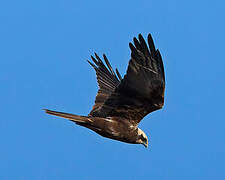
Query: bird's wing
106	78
141	91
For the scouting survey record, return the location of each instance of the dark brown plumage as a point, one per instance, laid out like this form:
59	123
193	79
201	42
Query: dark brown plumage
121	104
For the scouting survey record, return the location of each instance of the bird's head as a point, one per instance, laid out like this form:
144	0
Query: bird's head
142	138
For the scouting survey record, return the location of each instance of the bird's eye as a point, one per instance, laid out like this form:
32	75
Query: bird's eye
143	138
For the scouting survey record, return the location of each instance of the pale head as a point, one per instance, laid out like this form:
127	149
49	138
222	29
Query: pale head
142	138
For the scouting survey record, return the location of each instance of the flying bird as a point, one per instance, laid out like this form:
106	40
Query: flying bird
121	103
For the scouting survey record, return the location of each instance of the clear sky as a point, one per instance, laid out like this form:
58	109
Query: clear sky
44	46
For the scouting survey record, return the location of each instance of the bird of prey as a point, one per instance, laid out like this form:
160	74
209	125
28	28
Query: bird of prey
121	103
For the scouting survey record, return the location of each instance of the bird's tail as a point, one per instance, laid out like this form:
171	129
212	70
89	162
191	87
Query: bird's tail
72	117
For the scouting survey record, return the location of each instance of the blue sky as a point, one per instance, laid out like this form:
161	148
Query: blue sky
44	47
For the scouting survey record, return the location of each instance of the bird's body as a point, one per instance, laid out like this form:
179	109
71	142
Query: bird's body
112	128
122	103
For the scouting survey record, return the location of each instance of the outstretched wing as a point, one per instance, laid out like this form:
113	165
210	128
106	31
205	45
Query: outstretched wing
107	80
141	91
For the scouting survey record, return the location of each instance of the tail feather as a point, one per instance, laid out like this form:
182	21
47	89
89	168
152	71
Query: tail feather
72	117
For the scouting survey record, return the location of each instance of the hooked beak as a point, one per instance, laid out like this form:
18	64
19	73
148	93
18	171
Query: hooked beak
146	144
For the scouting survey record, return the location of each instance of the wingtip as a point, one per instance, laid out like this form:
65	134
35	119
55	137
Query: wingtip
140	36
98	58
92	57
131	46
136	43
96	55
104	56
135	39
149	36
151	44
91	64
